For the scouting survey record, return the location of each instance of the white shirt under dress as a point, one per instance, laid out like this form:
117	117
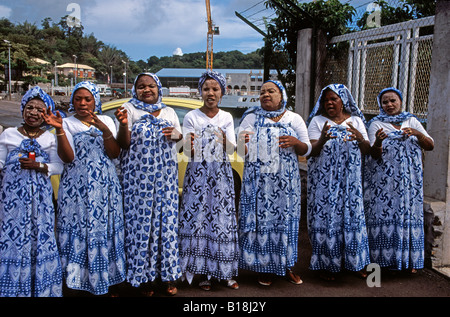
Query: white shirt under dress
316	126
135	114
11	138
294	119
388	128
197	120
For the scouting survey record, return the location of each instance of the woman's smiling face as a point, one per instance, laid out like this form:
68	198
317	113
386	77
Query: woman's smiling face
32	113
147	90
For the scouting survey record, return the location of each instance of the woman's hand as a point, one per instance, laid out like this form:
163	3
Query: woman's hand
244	136
30	164
99	124
380	135
122	116
172	134
286	141
425	142
356	135
325	135
52	120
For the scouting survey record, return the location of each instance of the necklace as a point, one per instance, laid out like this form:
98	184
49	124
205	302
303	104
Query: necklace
277	118
85	123
339	121
31	135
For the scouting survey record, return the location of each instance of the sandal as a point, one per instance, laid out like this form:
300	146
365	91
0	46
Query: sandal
148	293
293	278
362	274
264	279
171	289
232	284
327	276
205	285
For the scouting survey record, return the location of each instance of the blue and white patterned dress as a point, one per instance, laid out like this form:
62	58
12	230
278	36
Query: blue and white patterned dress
394	198
336	220
29	258
90	223
270	199
208	229
150	188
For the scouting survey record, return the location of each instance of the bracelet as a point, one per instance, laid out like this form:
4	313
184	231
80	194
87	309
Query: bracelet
60	134
422	137
41	165
107	138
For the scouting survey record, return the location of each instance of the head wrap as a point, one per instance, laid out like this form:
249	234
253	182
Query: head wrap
383	116
139	104
259	110
347	100
213	75
37	92
92	88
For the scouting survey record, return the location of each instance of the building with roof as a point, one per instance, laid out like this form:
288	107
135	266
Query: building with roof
81	71
239	81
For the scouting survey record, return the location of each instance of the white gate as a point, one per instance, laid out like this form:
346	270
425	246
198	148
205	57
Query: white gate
397	55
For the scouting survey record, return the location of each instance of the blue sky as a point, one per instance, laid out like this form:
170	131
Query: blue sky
144	28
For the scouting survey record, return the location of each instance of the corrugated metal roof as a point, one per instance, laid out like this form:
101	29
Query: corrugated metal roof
197	72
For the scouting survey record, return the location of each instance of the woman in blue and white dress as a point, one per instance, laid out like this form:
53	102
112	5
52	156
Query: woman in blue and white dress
29	258
148	132
336	222
270	199
90	225
208	230
394	185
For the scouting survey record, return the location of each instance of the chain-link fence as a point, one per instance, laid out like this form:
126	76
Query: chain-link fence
367	61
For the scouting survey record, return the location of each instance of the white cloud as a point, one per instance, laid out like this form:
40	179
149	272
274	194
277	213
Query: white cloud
178	52
146	22
5	12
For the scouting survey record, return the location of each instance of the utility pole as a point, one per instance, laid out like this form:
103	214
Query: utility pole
9	67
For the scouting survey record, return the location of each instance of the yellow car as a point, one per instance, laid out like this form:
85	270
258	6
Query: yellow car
181	107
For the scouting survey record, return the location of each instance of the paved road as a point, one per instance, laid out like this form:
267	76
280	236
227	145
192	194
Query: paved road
425	283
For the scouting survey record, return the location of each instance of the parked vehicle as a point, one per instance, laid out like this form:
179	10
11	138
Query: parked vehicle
182	106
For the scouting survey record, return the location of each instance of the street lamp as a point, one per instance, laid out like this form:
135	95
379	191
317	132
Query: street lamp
76	68
125	77
110	80
9	67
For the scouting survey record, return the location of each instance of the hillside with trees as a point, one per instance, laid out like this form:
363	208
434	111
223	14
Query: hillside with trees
57	42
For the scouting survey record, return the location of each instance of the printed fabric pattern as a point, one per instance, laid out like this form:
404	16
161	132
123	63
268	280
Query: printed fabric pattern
29	259
90	225
208	228
270	201
394	204
336	220
150	184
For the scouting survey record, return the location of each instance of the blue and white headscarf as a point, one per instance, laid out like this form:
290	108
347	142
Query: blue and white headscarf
214	75
258	110
37	92
92	88
139	104
383	116
347	100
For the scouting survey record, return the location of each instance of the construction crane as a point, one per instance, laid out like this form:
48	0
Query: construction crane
212	30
